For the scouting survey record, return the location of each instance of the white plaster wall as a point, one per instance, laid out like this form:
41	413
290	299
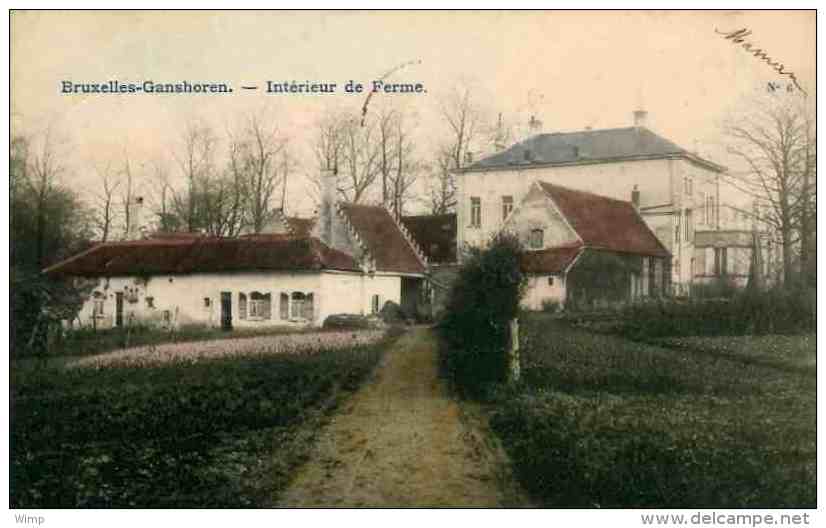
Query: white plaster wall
353	293
537	212
183	296
539	290
616	180
660	182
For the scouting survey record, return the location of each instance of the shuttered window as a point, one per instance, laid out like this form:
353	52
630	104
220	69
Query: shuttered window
296	305
242	305
307	309
284	307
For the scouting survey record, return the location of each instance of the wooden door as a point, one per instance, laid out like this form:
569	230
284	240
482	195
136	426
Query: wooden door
119	309
226	310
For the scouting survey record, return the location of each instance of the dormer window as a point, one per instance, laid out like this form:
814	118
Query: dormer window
537	239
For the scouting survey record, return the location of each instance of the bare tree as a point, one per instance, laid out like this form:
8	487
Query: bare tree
344	145
466	125
360	157
161	196
105	214
776	142
465	122
195	159
405	174
257	164
440	187
127	197
44	171
385	128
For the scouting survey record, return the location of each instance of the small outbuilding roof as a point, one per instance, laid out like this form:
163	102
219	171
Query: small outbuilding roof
435	235
605	223
383	238
204	255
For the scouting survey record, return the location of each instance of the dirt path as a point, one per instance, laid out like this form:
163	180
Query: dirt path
403	441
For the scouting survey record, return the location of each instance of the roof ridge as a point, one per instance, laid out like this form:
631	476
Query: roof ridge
578	191
351	229
417	250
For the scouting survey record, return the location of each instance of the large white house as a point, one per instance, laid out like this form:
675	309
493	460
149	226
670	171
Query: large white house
352	260
676	190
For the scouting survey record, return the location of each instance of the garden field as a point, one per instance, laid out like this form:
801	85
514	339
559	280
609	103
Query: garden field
709	422
219	431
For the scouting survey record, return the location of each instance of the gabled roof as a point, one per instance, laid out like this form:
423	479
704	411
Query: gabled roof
383	238
588	146
435	235
604	223
205	254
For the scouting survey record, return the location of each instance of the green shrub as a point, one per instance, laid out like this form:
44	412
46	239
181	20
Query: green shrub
483	300
781	310
601	421
577	452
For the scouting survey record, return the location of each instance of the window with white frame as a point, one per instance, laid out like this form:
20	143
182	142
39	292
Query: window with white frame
259	305
507	206
475	211
297	300
97	304
242	305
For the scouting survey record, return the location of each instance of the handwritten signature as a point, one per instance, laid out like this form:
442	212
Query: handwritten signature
738	37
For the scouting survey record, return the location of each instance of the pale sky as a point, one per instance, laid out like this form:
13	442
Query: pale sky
571	69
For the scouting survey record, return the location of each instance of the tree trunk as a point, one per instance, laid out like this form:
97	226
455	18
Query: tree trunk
514	362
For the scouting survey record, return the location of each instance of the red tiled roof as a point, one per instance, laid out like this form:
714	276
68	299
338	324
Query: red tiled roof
552	260
204	254
435	234
383	238
605	223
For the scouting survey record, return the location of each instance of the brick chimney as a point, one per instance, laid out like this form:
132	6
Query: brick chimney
327	215
135	227
534	126
640	118
635	198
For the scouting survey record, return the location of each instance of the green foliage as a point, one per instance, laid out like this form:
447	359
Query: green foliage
781	310
600	421
219	433
484	298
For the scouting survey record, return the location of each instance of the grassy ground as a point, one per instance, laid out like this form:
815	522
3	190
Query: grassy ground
601	421
218	433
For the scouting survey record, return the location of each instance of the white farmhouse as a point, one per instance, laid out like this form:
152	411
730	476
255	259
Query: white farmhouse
352	260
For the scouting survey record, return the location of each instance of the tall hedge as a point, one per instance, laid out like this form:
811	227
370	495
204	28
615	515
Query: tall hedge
482	301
